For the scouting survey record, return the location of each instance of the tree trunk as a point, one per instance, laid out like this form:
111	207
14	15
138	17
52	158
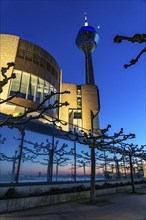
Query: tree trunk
131	173
92	189
75	161
20	156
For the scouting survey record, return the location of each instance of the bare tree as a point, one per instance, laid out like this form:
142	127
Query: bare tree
53	153
139	38
13	159
2	139
94	141
29	115
131	151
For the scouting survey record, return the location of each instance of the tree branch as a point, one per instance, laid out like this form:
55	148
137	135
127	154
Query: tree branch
139	38
6	79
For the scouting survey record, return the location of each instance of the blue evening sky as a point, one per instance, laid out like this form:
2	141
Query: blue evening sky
53	25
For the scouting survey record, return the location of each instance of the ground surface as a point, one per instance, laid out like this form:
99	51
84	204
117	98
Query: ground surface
121	206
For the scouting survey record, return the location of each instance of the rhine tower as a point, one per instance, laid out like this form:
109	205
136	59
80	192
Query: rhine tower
87	40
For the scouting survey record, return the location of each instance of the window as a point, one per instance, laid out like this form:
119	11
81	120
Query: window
53	71
79	103
43	63
36	59
32	88
77	115
24	85
52	99
29	56
21	53
46	92
15	83
56	74
40	88
75	119
78	90
49	67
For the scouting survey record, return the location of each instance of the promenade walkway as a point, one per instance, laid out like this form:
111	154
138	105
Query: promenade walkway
121	206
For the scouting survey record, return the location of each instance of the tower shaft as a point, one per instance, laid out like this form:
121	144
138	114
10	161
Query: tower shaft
89	69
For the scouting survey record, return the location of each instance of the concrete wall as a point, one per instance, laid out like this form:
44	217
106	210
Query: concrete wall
8	48
90	103
31	202
71	99
29	189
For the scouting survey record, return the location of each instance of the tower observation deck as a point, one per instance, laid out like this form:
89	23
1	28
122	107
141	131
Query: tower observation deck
87	40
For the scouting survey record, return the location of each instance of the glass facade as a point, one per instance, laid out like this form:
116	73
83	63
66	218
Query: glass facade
41	156
32	87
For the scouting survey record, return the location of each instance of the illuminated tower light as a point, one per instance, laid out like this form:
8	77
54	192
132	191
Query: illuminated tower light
87	40
86	22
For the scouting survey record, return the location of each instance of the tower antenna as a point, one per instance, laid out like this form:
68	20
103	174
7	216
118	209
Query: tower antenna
86	22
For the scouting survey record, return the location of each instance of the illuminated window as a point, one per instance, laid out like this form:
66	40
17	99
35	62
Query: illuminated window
46	92
52	99
75	119
79	102
40	88
24	85
15	83
32	88
78	90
